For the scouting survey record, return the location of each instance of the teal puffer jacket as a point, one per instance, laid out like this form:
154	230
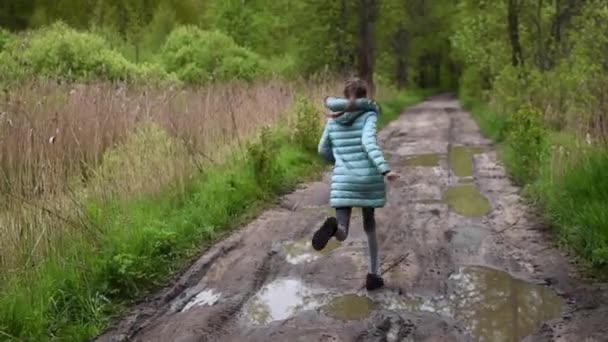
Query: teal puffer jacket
349	141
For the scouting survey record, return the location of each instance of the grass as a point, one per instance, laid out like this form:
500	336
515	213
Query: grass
569	187
166	203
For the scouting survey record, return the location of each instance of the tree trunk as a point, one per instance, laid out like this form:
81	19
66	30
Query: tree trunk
341	50
367	18
541	59
513	19
399	48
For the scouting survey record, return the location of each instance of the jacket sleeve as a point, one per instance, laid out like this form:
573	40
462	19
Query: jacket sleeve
325	148
371	146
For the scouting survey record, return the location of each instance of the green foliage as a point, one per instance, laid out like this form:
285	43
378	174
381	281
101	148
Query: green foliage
470	87
5	38
307	125
525	144
262	157
143	241
574	197
199	57
61	52
492	125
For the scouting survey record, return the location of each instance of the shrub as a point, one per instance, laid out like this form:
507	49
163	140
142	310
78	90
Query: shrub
307	126
525	144
262	155
470	86
5	38
10	70
61	52
199	57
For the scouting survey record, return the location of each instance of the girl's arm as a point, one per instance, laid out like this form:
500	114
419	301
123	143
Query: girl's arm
325	148
371	146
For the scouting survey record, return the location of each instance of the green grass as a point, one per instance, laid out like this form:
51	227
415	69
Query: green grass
134	246
492	125
576	202
570	187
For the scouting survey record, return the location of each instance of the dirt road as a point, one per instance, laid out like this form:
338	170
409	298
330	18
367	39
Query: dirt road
463	257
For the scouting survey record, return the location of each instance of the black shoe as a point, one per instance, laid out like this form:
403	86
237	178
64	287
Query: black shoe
373	282
324	234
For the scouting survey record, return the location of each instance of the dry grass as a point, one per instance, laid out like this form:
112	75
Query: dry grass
60	145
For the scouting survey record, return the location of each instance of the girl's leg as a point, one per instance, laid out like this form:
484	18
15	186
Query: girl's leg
333	226
374	280
369	225
343	217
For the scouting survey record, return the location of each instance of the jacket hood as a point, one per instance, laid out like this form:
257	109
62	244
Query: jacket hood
346	114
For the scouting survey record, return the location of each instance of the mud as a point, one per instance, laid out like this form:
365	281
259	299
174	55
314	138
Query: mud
489	272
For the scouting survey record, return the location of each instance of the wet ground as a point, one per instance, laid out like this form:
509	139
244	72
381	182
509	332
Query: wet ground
463	257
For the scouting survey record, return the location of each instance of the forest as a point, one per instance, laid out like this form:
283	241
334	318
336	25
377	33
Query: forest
137	113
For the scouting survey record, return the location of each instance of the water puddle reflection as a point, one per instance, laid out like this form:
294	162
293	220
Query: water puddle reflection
349	307
491	304
301	251
280	300
495	306
466	200
204	298
460	159
423	160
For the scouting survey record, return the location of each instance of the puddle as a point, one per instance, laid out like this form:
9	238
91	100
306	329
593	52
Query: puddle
301	251
204	298
495	306
467	237
460	159
467	201
350	307
279	300
423	160
491	304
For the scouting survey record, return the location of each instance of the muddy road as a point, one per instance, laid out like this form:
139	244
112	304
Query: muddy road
463	258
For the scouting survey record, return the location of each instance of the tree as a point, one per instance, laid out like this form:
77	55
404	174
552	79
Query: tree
368	14
15	15
517	58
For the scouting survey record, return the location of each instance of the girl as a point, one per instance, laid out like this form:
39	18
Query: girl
349	142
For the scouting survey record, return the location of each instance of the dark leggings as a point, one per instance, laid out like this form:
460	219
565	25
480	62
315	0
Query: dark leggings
369	225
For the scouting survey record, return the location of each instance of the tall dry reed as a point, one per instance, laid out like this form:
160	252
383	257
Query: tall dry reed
63	144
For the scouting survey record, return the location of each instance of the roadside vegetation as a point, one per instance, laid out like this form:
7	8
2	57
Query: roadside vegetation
539	91
134	134
133	137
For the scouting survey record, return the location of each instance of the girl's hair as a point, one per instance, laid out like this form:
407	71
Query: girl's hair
355	87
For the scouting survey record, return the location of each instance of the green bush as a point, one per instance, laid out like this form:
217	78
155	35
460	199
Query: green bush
525	144
307	125
61	52
470	86
10	70
199	57
262	155
5	38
